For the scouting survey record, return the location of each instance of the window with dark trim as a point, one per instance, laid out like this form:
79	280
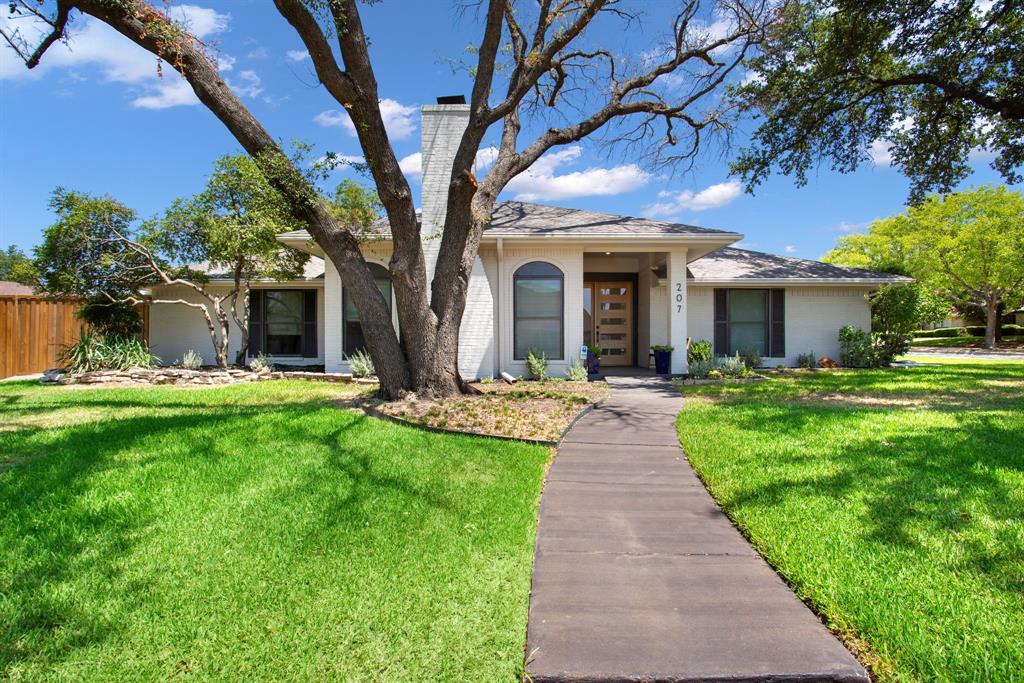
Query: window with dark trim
352	331
538	305
750	318
282	322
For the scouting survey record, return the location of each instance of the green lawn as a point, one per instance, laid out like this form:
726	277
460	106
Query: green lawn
255	532
1010	342
892	500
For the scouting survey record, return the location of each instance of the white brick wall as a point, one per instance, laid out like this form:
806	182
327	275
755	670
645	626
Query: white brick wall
175	328
813	318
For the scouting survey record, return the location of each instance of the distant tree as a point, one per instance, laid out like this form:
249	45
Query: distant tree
931	81
231	227
15	266
541	76
965	246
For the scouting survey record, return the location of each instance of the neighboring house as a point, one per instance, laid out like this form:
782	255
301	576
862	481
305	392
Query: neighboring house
556	279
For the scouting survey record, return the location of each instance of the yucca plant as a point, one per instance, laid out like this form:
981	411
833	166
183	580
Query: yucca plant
191	360
93	352
361	364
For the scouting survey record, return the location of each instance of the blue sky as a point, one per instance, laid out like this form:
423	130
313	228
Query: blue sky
97	117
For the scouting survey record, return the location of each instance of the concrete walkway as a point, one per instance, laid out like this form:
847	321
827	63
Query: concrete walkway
639	576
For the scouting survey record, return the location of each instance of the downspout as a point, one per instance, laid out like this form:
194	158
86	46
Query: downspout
498	307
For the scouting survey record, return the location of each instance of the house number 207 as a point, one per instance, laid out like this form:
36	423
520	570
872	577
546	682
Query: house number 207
679	297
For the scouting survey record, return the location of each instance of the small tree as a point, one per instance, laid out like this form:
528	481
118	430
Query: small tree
231	227
95	249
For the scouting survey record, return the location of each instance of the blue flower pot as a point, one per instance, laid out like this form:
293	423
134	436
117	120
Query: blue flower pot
662	362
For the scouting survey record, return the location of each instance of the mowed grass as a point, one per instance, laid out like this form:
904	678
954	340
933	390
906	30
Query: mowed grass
892	500
255	532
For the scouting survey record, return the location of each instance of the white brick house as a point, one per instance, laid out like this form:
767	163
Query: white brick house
557	279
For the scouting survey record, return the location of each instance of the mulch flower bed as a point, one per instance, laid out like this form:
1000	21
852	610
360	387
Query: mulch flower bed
536	411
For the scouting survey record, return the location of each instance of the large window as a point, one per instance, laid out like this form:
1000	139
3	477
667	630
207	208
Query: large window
282	322
353	331
750	318
538	307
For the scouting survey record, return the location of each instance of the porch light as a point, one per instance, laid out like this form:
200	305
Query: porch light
607	253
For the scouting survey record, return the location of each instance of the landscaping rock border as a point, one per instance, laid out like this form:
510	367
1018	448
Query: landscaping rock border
183	376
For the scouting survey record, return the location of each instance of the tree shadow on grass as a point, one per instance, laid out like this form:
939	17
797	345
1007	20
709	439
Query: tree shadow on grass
66	526
938	483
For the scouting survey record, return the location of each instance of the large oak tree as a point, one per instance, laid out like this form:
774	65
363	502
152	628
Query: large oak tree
929	83
534	59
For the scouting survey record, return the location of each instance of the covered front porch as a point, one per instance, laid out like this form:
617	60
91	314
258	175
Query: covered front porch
629	302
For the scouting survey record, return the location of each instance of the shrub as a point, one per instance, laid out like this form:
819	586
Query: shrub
751	357
361	364
941	332
807	360
856	349
537	364
96	352
662	347
261	364
700	369
110	318
699	351
576	372
734	367
191	360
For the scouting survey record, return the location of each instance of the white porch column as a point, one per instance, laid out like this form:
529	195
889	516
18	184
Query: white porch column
333	361
677	304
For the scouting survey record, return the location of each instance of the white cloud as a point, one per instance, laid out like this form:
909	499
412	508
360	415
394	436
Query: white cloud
200	21
789	249
711	197
248	85
94	47
296	55
846	227
485	157
879	153
540	181
258	53
331	117
173	92
399	120
412	165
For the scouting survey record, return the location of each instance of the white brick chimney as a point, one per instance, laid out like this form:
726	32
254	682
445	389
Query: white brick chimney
443	126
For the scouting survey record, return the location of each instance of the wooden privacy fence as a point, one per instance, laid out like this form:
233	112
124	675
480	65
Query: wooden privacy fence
34	331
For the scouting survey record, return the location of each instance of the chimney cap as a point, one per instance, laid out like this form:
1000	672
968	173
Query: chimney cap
451	99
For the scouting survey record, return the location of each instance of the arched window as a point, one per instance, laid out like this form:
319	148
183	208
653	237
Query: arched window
538	310
353	331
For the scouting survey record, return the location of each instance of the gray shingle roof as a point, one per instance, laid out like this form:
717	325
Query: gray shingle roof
524	218
314	269
740	264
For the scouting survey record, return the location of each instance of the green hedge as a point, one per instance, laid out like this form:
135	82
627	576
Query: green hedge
968	331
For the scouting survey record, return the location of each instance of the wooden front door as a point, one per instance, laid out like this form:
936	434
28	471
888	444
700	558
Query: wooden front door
612	320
